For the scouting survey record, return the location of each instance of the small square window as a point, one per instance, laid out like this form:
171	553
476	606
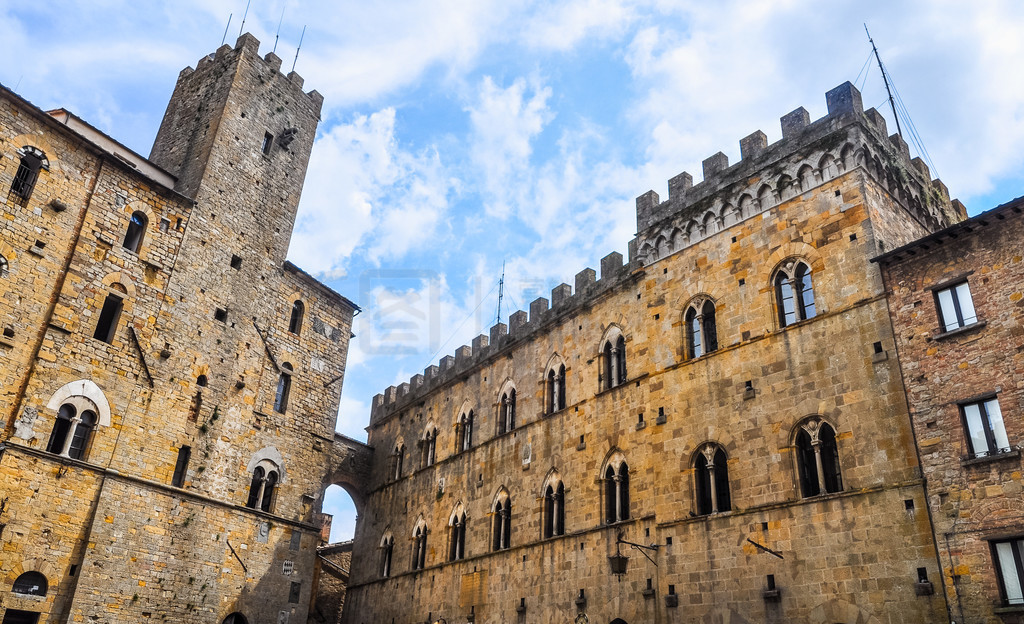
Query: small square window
986	434
956	308
221	315
236	262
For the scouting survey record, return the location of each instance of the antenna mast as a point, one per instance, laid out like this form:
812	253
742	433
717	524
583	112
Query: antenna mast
225	37
279	22
244	15
885	79
501	290
301	37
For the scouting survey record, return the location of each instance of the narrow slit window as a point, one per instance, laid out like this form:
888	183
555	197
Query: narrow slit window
110	314
268	143
136	230
181	466
295	322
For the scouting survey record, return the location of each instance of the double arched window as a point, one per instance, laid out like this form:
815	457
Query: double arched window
817	457
794	292
507	411
613	361
616	491
387	549
464	432
419	545
701	332
136	231
554	507
554	388
397	459
428	447
284	388
295	321
73	428
501	521
262	488
711	476
457	534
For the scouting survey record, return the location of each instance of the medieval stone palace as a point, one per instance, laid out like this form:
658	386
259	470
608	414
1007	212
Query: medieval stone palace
797	399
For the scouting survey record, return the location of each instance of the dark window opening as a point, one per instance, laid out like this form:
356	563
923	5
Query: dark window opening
32	160
268	143
295	322
616	493
419	552
235	618
464	432
181	466
220	314
136	230
110	314
236	262
811	455
387	550
457	538
554	510
30	584
507	412
712	477
501	525
294	592
17	616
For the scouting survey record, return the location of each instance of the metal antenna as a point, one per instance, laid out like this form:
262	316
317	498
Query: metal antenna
301	37
885	79
278	35
225	37
244	15
501	290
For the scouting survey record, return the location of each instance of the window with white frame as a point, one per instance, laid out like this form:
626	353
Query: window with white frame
983	422
1010	569
956	308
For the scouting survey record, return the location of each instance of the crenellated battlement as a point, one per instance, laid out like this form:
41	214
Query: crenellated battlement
809	154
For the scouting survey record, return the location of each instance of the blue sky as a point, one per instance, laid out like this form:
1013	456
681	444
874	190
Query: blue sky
459	136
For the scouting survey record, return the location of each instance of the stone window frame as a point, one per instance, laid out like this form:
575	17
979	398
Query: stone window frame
387	552
298	313
32	160
713	494
1015	555
83	395
554	382
787	277
428	446
825	482
611	359
269	461
949	292
284	388
397	460
552	510
614	478
501	520
464	428
993	448
457	522
696	322
135	233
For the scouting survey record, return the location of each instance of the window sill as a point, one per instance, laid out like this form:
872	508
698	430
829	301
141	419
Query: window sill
1008	609
994	457
966	329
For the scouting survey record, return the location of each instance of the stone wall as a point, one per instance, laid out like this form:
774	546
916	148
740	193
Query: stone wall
974	499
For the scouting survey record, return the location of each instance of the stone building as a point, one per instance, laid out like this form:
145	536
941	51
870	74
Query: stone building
729	398
957	305
170	383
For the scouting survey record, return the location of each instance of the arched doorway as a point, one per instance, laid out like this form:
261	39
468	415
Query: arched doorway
339	504
618	621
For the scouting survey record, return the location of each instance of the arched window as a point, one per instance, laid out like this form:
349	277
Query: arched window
72	430
711	473
30	584
555	389
284	386
614	362
32	160
428	447
387	549
464	432
818	459
554	509
261	489
616	493
701	332
295	322
419	547
794	292
397	458
501	522
457	534
136	231
507	412
110	314
235	618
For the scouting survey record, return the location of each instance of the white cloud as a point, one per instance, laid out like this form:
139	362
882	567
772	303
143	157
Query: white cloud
562	25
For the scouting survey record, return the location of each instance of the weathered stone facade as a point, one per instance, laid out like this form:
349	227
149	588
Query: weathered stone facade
954	368
768	454
158	377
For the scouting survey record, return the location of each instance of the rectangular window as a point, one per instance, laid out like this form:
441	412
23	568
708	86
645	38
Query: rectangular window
956	308
294	592
181	467
983	422
1008	565
109	315
268	142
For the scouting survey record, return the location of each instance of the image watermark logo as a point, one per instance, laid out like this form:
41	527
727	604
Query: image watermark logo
403	308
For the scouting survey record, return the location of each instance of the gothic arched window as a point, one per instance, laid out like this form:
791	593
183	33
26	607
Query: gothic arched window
501	522
554	509
701	331
711	473
419	547
387	548
616	492
613	360
428	447
457	535
262	487
464	432
555	389
818	459
794	292
507	412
